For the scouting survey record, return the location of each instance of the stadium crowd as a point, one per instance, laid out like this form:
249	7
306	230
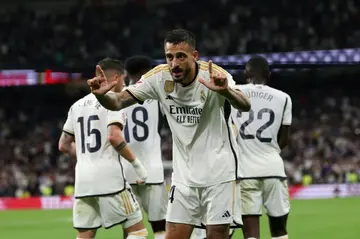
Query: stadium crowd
86	33
324	145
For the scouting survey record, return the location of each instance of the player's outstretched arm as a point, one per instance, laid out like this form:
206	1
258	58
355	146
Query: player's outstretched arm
67	144
219	82
117	140
237	99
116	100
100	87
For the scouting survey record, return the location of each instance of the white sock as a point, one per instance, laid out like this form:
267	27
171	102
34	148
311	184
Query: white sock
159	235
251	238
83	238
282	237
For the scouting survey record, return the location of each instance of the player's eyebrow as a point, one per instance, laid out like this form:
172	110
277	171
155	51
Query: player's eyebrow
177	54
181	54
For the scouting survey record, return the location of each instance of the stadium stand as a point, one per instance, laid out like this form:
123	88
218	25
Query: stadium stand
71	36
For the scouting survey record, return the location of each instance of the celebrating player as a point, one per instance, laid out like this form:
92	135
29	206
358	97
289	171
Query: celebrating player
102	196
263	132
143	137
192	94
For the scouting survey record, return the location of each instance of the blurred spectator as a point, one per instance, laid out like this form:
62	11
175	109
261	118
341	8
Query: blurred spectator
83	34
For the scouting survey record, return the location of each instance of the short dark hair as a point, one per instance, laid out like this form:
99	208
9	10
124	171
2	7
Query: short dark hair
180	35
111	64
259	65
138	64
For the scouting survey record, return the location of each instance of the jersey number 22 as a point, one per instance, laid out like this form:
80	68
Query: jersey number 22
259	115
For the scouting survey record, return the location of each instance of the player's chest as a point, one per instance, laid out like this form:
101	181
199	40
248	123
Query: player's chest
185	105
193	95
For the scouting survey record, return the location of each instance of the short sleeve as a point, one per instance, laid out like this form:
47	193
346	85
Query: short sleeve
68	126
287	117
116	118
161	108
145	88
231	82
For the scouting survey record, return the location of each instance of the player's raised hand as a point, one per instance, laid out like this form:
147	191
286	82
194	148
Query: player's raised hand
218	81
99	84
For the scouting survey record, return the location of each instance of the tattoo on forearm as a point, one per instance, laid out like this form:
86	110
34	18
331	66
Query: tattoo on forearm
126	99
238	99
120	146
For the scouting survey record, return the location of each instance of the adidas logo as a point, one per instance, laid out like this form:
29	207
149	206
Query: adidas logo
226	214
169	97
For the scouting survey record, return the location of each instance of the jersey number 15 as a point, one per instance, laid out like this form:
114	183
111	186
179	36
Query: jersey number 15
90	132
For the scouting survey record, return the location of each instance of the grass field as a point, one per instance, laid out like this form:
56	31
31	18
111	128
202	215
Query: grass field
310	219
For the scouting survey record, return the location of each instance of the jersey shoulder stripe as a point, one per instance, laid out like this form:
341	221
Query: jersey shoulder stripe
205	67
156	70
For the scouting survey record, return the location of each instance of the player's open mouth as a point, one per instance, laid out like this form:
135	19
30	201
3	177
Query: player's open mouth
177	72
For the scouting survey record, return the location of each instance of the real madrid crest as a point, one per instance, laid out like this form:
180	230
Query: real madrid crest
169	86
202	96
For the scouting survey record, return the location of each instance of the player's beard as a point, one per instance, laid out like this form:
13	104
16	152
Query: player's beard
182	76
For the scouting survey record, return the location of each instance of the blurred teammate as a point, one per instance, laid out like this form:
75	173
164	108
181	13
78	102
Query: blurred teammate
263	132
142	135
102	196
192	94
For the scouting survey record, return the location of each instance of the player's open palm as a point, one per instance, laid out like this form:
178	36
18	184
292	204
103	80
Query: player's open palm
99	84
218	81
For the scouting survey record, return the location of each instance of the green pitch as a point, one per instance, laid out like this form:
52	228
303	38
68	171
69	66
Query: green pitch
326	219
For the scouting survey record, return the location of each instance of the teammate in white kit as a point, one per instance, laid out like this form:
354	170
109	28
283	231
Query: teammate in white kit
263	132
93	135
193	94
142	133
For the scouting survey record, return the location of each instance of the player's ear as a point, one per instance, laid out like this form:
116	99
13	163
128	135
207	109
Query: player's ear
246	75
269	75
195	55
121	79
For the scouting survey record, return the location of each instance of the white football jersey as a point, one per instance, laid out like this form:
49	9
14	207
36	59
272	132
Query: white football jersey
142	135
98	168
258	131
202	154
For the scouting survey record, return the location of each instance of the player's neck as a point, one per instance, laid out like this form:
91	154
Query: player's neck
133	82
192	76
257	81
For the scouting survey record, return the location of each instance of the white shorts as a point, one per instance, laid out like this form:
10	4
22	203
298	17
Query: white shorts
107	211
214	205
273	193
153	198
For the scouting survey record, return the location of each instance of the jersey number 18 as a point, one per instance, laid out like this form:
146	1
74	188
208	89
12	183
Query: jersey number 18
138	123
